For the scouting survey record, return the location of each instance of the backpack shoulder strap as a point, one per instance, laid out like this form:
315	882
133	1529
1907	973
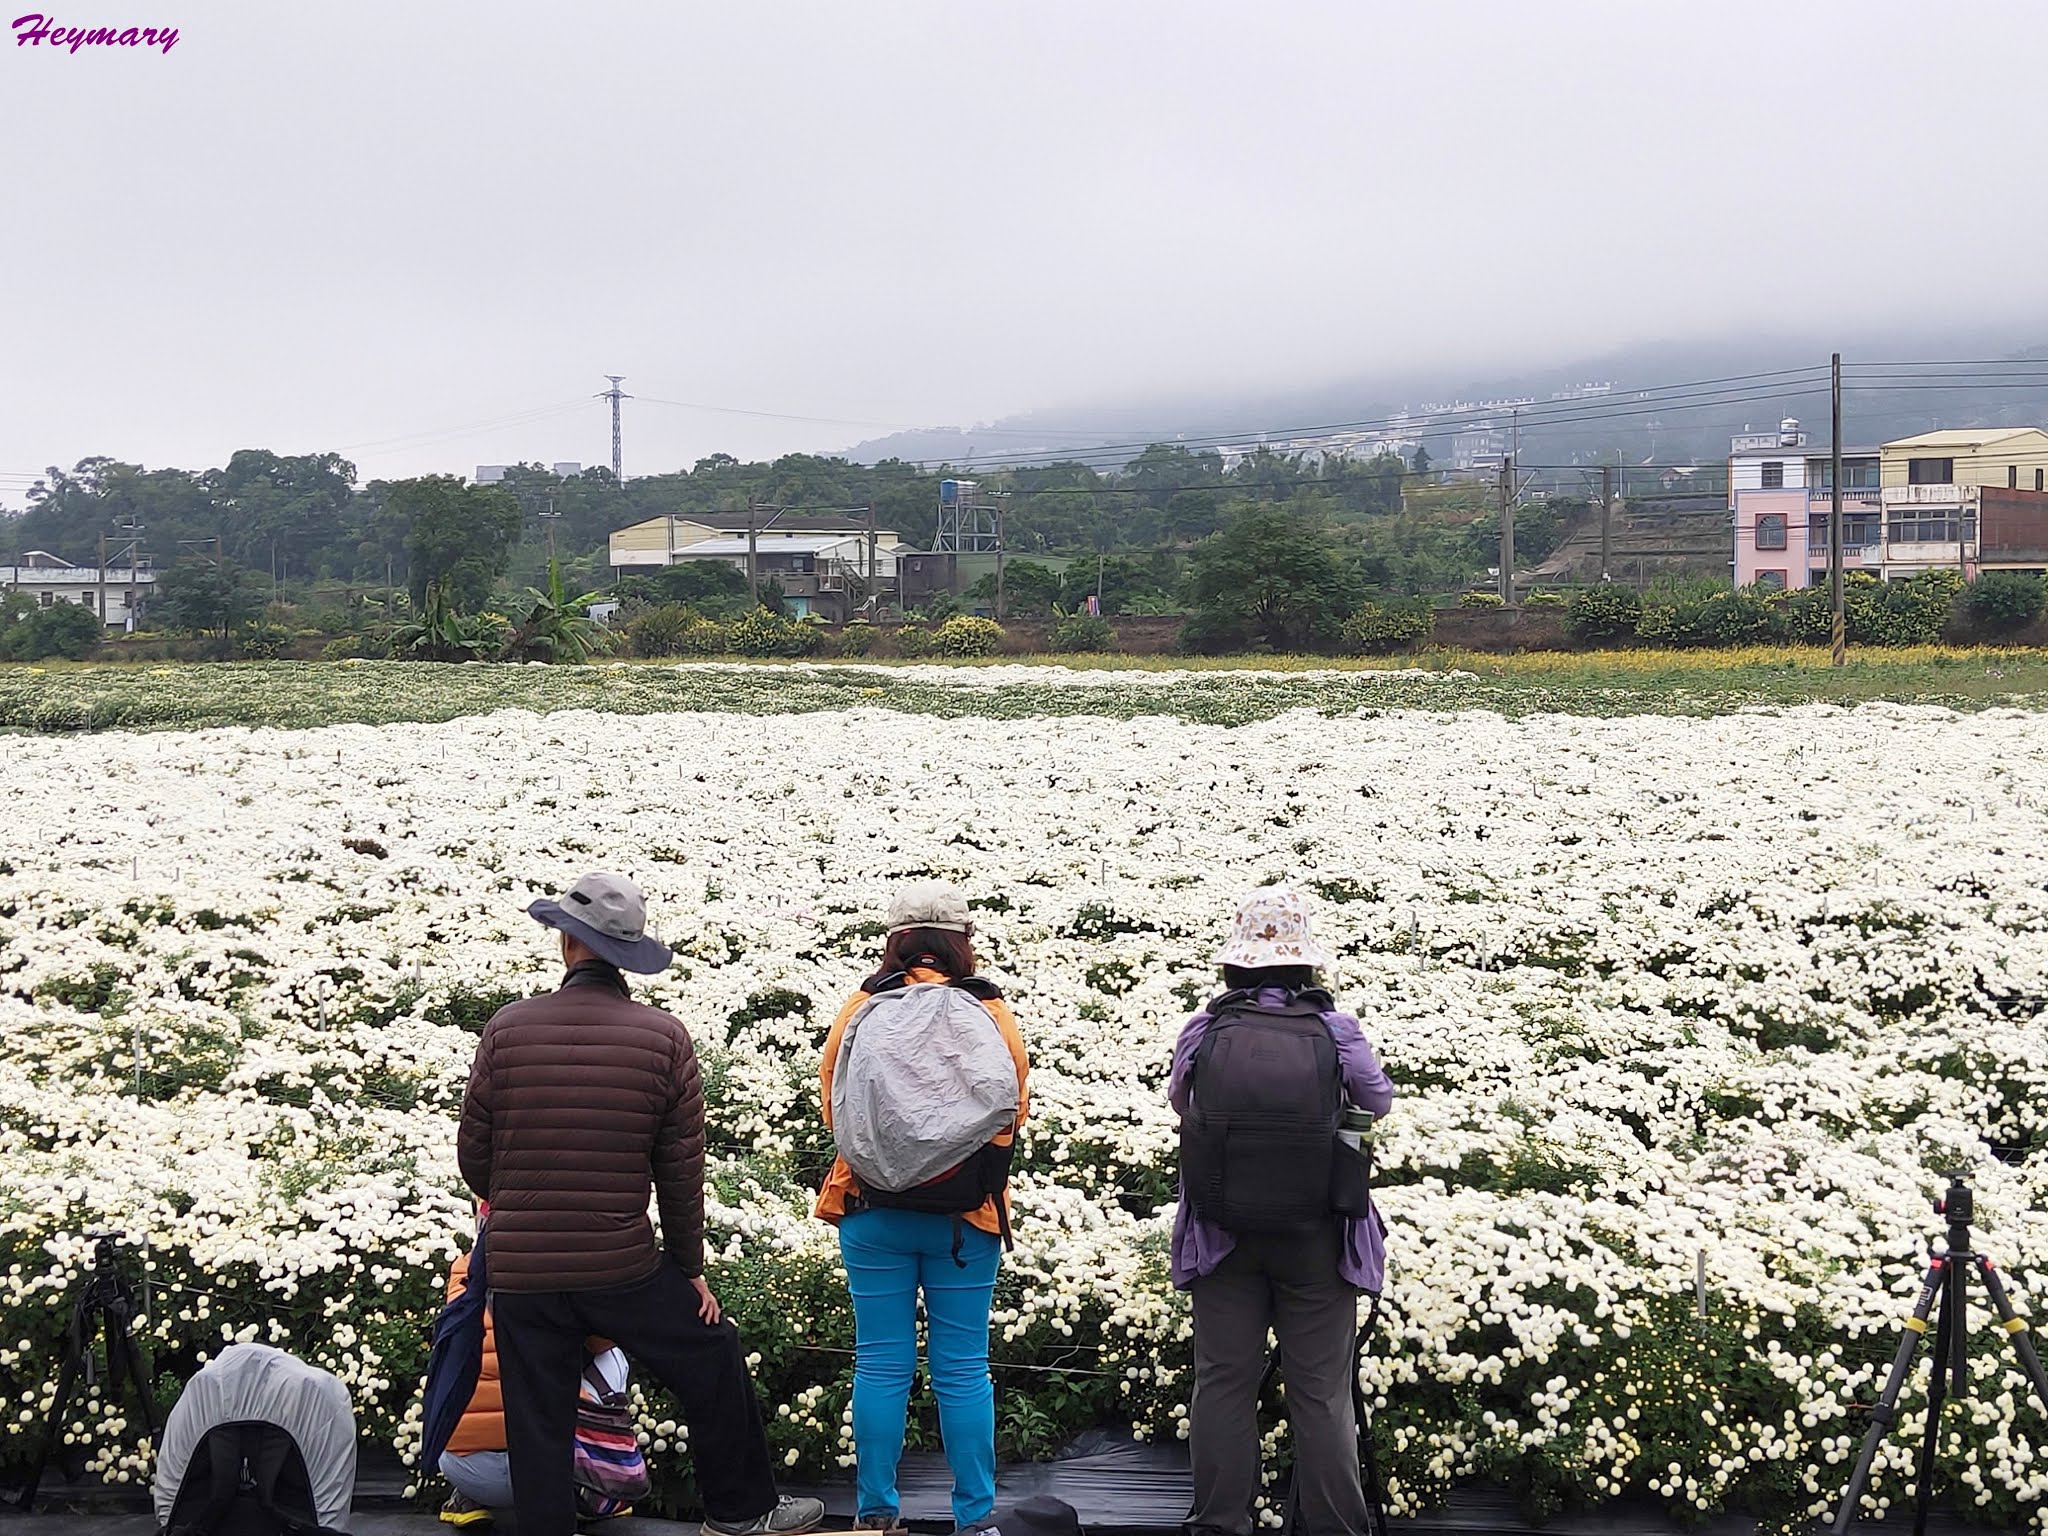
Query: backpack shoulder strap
980	988
885	981
1307	1003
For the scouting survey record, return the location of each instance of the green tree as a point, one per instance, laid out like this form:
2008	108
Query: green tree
1273	578
202	598
302	508
711	587
2004	602
442	632
32	633
1420	463
457	536
556	627
1028	588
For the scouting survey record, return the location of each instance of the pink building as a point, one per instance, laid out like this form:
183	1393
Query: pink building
1780	492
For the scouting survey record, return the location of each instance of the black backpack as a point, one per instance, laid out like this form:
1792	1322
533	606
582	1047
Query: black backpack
246	1479
1266	1098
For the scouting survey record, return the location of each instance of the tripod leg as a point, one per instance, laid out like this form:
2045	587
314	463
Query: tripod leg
2016	1326
1937	1393
124	1358
1368	1456
1884	1413
67	1380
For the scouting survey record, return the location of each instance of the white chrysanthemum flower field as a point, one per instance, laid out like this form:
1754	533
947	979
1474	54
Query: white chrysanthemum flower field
1655	991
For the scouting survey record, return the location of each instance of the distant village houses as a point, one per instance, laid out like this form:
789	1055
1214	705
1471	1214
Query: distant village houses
118	593
1968	500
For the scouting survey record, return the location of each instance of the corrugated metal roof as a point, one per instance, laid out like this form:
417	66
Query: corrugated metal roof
777	543
1961	437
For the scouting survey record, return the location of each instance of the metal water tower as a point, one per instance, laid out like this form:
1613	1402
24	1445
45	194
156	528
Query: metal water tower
967	520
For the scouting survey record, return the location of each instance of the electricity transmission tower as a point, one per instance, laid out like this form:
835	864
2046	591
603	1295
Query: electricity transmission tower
615	395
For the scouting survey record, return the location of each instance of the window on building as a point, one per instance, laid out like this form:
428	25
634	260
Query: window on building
2039	478
1772	581
1932	528
1930	471
1770	532
2012	477
1774	475
1859	531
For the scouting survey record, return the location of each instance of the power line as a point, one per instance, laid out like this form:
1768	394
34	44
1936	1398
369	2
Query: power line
1443	423
421	439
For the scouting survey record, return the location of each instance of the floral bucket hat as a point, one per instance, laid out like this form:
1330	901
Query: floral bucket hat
1271	930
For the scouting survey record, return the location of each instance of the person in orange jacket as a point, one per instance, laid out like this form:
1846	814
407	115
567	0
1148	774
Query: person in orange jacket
893	1254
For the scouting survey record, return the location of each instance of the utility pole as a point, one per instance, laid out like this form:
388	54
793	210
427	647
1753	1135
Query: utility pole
130	533
755	508
1507	531
549	517
1838	625
1606	517
874	592
999	562
753	572
615	395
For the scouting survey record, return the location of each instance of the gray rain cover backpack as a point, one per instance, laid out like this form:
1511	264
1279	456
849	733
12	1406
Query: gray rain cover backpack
924	1080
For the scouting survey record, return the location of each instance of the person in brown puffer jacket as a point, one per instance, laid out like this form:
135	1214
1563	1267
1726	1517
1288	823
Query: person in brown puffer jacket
579	1101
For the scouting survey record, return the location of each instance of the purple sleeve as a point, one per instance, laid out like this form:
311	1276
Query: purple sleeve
1366	1082
1184	1061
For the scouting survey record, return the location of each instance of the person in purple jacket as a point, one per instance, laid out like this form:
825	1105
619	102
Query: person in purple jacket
1303	1280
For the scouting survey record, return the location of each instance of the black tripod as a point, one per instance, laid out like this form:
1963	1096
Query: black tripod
103	1306
1368	1460
1947	1289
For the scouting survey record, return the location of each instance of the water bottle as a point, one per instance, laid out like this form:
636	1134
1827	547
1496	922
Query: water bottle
1355	1128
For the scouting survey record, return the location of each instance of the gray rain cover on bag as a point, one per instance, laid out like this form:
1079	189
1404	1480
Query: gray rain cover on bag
924	1080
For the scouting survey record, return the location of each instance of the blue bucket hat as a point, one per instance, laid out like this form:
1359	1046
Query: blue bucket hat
607	915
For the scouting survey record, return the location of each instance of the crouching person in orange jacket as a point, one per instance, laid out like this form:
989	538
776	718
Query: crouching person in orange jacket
475	1462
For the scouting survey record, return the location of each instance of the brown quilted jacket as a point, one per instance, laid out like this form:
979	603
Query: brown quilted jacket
578	1102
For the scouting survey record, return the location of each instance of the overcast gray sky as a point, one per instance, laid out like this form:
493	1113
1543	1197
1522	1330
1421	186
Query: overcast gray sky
363	226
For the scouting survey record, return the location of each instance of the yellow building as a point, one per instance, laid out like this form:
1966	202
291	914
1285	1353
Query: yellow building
1943	490
2013	457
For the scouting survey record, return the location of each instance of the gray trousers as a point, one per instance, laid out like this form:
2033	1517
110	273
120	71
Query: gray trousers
1288	1283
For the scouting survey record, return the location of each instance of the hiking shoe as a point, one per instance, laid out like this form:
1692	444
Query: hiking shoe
463	1510
789	1517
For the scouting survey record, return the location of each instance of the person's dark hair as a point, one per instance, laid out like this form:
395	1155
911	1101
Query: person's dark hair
942	949
1249	978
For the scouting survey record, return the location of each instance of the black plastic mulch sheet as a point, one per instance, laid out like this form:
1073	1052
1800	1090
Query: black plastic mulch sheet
1116	1483
1113	1481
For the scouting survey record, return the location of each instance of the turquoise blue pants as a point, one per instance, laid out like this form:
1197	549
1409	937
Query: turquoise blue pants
890	1256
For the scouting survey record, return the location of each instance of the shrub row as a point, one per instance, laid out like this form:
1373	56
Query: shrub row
1880	613
676	630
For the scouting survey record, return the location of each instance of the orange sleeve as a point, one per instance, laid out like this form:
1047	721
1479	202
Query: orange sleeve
1013	1037
831	1061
